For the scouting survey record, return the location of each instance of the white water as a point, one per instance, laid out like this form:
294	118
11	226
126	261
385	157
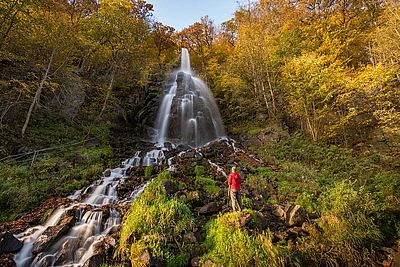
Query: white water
92	221
188	113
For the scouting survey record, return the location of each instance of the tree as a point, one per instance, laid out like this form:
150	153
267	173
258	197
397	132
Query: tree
199	38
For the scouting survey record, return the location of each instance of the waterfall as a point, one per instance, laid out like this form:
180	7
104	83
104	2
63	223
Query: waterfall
188	113
92	217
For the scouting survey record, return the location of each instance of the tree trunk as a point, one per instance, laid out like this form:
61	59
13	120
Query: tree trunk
37	94
108	95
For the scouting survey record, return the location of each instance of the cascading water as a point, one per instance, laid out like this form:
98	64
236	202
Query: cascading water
188	113
78	228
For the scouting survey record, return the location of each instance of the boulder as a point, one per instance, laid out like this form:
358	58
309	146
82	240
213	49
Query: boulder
210	208
8	243
169	187
295	215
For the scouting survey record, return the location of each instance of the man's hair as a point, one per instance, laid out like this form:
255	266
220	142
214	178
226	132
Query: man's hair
234	169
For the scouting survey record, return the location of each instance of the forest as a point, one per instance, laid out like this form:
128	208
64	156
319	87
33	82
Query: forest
310	87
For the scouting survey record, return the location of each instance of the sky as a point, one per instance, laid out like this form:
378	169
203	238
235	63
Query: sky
182	13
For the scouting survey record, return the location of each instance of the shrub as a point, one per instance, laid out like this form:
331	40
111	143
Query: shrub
348	230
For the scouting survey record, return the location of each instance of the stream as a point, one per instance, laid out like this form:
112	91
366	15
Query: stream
71	234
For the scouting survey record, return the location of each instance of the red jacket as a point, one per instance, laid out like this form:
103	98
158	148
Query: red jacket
234	181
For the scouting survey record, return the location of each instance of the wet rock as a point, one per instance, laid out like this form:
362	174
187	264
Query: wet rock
169	187
168	145
189	154
210	208
8	243
295	215
96	260
107	173
52	234
189	238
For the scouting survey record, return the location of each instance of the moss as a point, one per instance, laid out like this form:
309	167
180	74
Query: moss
199	170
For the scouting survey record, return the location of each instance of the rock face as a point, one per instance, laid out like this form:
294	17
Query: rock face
8	243
210	208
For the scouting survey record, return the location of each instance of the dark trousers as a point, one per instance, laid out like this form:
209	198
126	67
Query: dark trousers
236	200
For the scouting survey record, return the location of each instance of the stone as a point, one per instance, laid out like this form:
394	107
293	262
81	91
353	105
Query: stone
209	208
169	187
145	259
107	173
244	219
189	238
295	215
8	243
278	210
193	196
189	154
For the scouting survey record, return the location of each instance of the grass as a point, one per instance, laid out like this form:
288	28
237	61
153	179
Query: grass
208	184
157	222
228	244
23	187
355	196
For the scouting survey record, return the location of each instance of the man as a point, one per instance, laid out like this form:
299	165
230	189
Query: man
234	188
